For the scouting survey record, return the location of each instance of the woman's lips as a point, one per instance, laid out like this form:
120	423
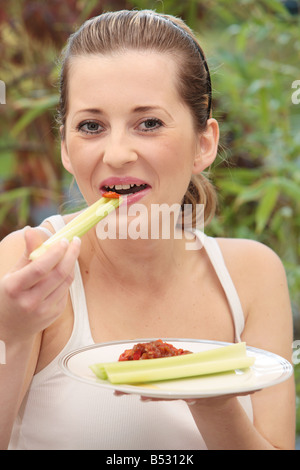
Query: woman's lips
135	197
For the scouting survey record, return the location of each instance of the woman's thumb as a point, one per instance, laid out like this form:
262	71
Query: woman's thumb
33	239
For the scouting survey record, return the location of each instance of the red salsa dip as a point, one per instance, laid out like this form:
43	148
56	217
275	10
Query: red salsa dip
111	194
151	350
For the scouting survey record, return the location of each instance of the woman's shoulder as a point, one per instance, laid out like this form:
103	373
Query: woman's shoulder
248	254
256	269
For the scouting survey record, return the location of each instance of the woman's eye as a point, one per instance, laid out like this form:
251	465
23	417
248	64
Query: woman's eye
150	124
90	127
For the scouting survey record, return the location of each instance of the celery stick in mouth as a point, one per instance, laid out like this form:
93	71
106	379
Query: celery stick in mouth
213	361
81	224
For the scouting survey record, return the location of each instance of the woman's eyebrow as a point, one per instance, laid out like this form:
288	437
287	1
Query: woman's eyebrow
145	109
137	109
89	110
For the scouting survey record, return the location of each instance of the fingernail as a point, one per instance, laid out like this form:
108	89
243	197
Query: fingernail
77	241
191	402
64	242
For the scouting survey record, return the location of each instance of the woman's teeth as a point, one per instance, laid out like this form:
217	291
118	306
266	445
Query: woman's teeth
125	188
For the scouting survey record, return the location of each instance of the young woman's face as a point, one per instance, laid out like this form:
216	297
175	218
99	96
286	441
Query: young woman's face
128	130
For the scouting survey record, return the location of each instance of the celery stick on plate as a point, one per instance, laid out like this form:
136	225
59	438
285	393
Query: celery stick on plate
82	223
213	361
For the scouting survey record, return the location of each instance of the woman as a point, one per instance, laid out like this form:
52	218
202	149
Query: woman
136	118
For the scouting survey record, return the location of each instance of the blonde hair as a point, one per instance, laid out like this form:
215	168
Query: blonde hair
148	30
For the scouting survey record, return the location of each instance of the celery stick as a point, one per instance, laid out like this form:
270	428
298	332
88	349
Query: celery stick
99	371
179	372
80	224
232	350
209	361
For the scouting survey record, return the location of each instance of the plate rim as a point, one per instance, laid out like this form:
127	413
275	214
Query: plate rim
287	370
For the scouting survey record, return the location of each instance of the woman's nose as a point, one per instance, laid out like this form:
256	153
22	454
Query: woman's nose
119	151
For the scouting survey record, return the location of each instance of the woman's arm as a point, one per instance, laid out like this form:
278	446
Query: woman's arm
32	296
222	421
15	377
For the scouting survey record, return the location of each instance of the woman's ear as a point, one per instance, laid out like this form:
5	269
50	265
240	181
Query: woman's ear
207	147
64	152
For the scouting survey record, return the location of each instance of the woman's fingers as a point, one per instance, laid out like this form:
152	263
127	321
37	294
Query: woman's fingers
62	274
33	238
35	293
33	272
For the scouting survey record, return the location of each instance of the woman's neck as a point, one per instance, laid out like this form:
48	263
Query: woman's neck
144	263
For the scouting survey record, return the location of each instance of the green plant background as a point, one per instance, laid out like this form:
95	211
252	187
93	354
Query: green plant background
253	49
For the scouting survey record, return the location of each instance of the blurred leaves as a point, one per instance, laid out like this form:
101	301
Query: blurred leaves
253	49
32	34
32	109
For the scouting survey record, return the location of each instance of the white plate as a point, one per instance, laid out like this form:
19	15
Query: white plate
269	369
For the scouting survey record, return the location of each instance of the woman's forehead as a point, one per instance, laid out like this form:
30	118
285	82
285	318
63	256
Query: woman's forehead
134	75
130	62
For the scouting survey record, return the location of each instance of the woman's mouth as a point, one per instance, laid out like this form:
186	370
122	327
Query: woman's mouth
125	189
132	188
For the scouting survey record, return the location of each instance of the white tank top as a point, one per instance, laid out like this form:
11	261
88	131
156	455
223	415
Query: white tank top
60	413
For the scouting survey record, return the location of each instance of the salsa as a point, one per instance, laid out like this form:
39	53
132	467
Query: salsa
111	194
151	350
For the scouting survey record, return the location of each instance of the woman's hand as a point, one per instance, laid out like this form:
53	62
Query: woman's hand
205	401
224	424
34	294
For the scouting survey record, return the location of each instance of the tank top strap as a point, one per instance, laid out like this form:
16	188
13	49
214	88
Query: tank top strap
57	222
215	255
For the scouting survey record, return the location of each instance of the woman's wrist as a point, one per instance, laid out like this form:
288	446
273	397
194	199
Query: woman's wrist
224	424
14	346
220	403
12	337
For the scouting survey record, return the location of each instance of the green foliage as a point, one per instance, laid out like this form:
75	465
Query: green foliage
255	48
32	34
